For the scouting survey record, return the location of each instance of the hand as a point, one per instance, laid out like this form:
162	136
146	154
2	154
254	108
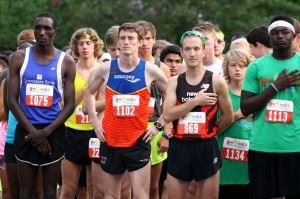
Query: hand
163	144
238	115
203	98
285	80
99	131
44	148
150	133
37	136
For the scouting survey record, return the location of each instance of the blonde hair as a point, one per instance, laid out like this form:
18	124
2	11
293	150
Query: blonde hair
25	36
87	33
237	56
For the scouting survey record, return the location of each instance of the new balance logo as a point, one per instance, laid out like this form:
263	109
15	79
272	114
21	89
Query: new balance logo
144	160
205	86
215	160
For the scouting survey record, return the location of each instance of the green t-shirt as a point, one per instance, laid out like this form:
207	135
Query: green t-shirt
269	135
234	171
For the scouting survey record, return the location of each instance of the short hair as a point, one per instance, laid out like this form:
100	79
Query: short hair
205	26
174	49
159	44
111	36
24	45
238	56
48	15
283	18
3	64
25	36
5	58
133	27
296	25
148	27
259	34
92	35
237	35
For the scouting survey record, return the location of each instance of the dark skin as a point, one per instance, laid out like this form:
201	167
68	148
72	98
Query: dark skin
44	52
281	40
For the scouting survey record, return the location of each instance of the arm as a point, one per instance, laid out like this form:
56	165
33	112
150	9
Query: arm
68	74
96	80
79	97
252	102
15	65
100	99
155	75
3	115
225	106
165	69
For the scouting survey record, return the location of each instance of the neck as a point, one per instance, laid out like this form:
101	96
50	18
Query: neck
87	63
147	57
283	53
209	60
195	72
128	61
44	50
235	86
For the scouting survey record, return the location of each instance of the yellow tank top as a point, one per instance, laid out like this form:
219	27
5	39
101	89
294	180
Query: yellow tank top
78	120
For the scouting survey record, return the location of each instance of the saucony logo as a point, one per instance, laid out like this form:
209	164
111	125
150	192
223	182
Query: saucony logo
129	78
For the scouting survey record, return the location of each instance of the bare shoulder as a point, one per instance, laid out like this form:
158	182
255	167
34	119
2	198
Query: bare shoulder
101	71
68	61
172	81
17	58
165	69
219	83
152	69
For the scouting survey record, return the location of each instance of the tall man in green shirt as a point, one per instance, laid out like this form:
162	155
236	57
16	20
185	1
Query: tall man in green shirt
271	91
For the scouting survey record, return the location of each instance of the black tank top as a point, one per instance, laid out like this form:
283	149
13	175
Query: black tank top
156	93
186	92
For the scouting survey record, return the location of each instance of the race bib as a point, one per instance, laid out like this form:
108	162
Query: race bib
235	149
81	118
94	148
279	111
192	124
126	105
39	95
151	106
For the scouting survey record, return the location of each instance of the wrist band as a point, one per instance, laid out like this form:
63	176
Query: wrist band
274	87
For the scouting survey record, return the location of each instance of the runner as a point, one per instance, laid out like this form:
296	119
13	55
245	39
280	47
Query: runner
159	145
125	137
87	47
271	92
45	76
234	141
192	102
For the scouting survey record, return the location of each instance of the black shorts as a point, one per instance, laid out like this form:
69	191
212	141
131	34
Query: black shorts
27	153
236	191
9	153
115	160
77	146
193	159
273	174
163	173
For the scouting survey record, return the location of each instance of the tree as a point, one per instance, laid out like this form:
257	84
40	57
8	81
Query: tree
171	17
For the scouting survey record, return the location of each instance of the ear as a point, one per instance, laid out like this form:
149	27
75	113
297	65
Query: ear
297	37
258	45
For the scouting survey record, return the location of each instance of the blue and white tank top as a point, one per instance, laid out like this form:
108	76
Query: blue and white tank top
41	88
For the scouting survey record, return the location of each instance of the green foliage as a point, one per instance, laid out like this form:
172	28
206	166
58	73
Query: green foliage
171	17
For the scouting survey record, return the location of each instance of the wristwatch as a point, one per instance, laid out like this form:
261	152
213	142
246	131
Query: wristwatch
158	125
166	135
